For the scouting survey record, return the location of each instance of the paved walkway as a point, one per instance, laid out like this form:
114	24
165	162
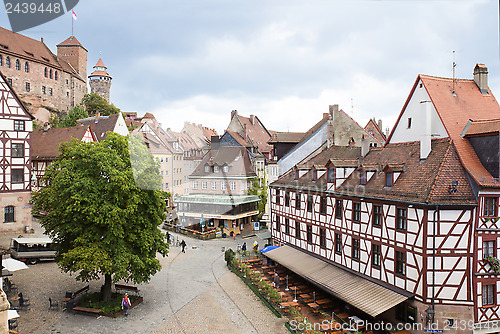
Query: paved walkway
193	293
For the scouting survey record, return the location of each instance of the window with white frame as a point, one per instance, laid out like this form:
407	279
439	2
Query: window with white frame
195	184
232	185
223	185
204	185
207	169
216	169
214	185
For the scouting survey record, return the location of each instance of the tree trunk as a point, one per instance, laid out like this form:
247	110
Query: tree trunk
106	288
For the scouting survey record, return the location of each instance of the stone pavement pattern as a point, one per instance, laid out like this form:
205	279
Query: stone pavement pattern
193	293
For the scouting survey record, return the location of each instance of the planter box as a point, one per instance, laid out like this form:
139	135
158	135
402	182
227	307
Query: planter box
121	312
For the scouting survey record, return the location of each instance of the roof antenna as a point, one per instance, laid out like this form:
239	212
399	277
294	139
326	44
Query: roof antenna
454	65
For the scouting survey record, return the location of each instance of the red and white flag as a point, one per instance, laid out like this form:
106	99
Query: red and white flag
74	15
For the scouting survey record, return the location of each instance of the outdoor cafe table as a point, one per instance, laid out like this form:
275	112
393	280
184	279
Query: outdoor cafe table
314	306
324	301
288	304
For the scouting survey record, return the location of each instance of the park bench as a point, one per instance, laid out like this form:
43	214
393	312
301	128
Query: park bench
79	292
86	310
133	289
69	299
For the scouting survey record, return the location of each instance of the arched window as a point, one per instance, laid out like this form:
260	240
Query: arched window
50	73
7	62
18	65
45	72
26	67
9	214
55	75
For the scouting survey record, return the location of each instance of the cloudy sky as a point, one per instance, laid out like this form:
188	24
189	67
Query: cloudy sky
284	61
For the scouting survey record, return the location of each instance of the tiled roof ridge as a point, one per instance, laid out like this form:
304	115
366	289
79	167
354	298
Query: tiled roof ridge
426	76
409	143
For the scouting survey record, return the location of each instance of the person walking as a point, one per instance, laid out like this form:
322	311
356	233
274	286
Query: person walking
183	245
255	246
244	248
276	281
168	237
126	304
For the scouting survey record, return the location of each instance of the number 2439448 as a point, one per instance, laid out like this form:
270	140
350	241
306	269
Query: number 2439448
31	7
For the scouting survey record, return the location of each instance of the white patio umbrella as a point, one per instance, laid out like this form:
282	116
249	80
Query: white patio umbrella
13	265
11	314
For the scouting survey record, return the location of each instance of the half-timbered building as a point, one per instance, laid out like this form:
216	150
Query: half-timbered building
16	124
407	232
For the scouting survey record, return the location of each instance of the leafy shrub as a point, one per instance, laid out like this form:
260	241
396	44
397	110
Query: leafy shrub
229	256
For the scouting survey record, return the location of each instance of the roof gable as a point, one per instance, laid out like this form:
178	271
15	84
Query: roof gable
10	104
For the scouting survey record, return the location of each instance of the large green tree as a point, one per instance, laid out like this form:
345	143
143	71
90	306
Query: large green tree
73	116
102	212
94	103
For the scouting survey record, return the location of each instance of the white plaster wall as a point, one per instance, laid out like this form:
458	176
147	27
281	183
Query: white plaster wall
417	114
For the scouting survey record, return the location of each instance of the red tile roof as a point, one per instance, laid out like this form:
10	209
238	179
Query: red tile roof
30	49
236	158
71	41
100	63
455	111
45	144
376	131
256	133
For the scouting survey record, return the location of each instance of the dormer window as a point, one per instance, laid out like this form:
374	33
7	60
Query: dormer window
216	169
362	178
296	174
207	169
314	175
225	169
389	179
331	174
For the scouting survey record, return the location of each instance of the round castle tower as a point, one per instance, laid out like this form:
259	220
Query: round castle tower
100	80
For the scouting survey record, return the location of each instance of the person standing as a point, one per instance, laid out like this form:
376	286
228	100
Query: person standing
126	304
276	281
168	237
183	245
244	248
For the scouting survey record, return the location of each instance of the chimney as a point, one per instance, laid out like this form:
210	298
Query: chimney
365	146
234	112
425	138
96	118
333	109
252	119
41	39
245	131
325	114
330	140
379	124
214	143
481	78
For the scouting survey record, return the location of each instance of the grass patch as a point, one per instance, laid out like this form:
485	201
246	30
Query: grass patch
114	305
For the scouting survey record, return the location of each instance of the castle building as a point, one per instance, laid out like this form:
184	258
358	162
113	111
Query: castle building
43	80
100	80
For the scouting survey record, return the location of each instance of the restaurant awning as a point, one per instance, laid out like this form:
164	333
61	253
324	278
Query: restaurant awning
357	291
